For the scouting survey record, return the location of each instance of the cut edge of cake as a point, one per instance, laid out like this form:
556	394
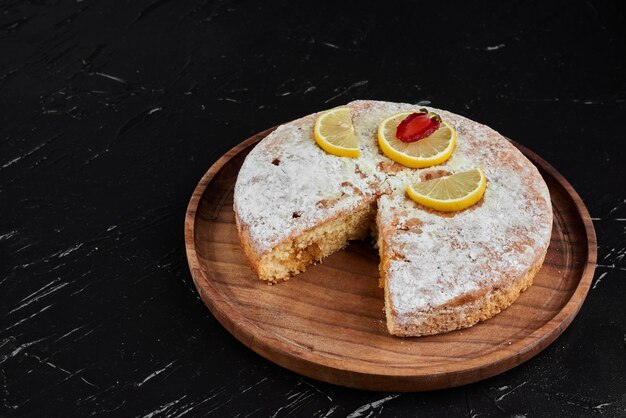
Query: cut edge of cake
294	254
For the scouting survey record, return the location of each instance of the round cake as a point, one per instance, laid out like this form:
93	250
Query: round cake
296	204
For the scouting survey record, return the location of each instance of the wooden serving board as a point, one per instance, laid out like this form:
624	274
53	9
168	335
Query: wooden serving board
328	323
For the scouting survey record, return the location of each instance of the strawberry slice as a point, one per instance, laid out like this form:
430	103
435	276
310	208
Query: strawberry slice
417	126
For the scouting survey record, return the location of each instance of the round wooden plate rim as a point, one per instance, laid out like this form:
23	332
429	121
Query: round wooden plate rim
285	352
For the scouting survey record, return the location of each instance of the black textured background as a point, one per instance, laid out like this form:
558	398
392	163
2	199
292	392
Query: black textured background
111	111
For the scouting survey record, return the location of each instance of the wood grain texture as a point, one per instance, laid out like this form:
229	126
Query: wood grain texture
329	324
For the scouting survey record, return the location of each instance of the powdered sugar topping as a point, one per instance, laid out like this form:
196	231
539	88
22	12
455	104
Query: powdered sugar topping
287	184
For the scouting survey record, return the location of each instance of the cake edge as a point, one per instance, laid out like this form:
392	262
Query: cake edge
445	318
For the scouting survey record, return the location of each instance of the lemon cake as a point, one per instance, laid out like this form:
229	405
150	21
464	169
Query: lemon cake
295	204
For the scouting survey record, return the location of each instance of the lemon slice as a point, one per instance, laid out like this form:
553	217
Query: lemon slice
334	133
432	150
451	193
